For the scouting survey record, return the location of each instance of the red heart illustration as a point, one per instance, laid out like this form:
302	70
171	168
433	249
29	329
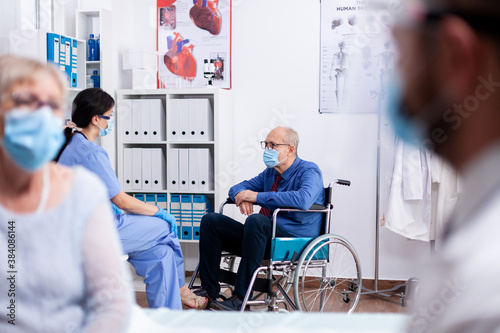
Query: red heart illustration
179	58
206	15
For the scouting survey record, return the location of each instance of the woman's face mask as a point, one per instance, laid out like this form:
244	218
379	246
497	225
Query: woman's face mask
32	138
107	130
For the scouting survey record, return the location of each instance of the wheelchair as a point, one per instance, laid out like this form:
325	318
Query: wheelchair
323	272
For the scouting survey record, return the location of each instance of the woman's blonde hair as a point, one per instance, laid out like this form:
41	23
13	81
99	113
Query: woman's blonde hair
18	70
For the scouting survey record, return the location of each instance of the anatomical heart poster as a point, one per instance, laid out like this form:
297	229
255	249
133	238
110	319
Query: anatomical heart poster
356	56
194	43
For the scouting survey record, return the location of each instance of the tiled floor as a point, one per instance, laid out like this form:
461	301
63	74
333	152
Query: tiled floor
367	303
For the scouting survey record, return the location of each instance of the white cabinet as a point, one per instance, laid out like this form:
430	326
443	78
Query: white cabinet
176	144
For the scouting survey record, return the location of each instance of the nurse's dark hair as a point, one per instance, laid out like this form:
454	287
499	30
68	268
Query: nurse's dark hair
87	104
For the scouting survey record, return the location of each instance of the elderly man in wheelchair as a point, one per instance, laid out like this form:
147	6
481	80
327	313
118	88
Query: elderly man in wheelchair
288	181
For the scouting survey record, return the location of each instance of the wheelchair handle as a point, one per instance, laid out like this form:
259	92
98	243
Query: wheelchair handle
342	182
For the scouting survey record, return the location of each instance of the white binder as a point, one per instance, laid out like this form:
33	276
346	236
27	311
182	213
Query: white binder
173	169
183	169
126	119
136	120
157	169
146	169
183	110
127	169
193	114
205	171
136	168
145	121
173	122
193	169
157	126
205	129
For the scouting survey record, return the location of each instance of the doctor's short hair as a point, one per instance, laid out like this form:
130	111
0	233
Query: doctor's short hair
292	138
16	70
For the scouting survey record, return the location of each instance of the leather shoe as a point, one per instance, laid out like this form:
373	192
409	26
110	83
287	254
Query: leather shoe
232	304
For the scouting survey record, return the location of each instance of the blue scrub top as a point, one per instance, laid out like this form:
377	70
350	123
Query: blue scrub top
81	151
301	187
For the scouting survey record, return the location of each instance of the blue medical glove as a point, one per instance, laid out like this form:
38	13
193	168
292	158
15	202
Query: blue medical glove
163	214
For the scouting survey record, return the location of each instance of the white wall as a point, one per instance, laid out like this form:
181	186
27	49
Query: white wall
275	73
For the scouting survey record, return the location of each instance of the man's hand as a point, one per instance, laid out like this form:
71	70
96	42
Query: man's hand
247	195
246	208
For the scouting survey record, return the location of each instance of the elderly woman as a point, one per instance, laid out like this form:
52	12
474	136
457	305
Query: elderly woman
148	234
59	247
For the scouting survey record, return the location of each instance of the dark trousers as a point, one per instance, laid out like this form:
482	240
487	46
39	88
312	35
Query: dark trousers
251	241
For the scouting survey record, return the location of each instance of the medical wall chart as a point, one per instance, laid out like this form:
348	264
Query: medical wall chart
356	56
188	32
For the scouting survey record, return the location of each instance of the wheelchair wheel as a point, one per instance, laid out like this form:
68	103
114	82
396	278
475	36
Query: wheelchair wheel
328	276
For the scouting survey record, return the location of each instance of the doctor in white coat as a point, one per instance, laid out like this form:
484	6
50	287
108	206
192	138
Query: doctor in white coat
450	96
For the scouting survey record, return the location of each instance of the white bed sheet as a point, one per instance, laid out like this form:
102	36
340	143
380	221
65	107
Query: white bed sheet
165	320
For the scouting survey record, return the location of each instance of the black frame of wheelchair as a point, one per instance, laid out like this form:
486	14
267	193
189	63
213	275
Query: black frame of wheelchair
299	273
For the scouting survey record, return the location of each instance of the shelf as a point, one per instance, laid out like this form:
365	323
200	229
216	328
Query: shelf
188	241
191	142
97	62
169	192
145	143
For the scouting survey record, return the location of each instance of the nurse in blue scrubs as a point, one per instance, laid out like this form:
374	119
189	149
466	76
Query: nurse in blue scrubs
148	233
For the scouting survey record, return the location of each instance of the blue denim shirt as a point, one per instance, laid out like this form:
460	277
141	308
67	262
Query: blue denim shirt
301	187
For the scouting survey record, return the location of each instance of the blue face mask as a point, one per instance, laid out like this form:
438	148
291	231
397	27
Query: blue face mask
410	130
32	138
271	157
107	130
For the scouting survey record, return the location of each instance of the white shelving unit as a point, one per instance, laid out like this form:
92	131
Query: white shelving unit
99	23
220	148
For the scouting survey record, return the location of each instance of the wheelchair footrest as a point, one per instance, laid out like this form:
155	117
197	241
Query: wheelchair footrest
260	285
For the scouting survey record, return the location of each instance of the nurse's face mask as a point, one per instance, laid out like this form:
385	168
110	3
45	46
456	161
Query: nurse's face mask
111	122
33	134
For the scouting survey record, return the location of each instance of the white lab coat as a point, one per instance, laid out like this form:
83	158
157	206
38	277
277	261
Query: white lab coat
459	291
409	204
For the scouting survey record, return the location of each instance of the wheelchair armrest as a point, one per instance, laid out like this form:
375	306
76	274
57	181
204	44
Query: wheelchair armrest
228	201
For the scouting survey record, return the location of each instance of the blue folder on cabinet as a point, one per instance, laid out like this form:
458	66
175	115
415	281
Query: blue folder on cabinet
201	206
175	210
161	201
186	217
140	196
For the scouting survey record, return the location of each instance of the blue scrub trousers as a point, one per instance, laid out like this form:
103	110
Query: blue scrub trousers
156	255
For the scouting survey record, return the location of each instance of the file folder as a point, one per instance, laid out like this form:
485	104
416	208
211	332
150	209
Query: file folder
205	171
126	119
137	168
194	164
74	63
157	169
53	41
157	125
127	169
151	199
183	169
183	111
173	123
161	201
140	196
200	208
186	217
173	169
175	210
136	120
193	133
146	169
203	114
145	115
